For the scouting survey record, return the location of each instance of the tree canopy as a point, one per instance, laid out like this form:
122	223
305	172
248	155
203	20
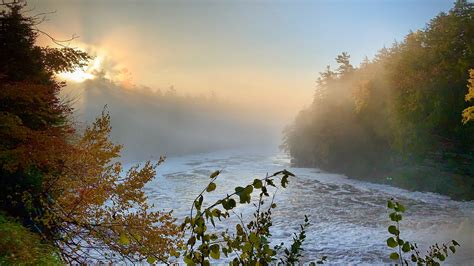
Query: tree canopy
401	107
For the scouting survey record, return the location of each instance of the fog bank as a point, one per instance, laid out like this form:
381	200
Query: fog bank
151	122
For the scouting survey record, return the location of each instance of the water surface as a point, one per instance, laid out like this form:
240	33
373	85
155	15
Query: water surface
348	217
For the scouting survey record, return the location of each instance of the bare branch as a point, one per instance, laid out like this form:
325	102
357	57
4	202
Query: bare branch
56	41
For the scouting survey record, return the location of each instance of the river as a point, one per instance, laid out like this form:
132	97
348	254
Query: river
348	217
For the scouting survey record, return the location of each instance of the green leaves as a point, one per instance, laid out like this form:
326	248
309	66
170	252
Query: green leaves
244	193
215	174
406	247
198	202
391	242
390	204
435	255
395	217
392	229
228	204
394	256
453	249
257	183
251	240
284	181
211	187
214	252
399	207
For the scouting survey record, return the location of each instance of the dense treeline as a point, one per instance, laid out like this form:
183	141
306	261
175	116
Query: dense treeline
397	118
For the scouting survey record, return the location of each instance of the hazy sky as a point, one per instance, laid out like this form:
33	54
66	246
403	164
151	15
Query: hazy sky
248	50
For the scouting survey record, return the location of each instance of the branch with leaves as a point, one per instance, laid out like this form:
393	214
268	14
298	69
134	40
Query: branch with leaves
250	243
436	253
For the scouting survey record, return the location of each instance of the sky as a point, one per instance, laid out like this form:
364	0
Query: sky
255	52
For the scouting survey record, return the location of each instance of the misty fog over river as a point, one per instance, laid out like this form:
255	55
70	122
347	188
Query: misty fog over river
348	217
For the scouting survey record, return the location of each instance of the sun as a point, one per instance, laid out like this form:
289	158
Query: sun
82	74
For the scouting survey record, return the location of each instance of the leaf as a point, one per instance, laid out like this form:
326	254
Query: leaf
394	256
198	203
395	217
123	239
441	257
270	182
188	261
239	229
232	203
286	172
399	207
456	243
392	229
192	241
247	247
214	248
253	238
453	249
248	189
391	242
215	174
406	247
238	190
215	254
284	181
390	204
216	212
212	186
151	260
257	183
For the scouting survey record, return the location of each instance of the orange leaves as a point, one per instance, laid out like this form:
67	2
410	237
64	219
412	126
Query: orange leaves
97	203
32	132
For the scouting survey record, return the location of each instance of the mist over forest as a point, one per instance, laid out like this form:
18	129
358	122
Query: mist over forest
150	123
400	118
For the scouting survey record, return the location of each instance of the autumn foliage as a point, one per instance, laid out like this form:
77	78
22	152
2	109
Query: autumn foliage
66	186
396	118
468	113
94	205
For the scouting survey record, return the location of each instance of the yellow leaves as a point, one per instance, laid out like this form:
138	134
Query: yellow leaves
151	260
123	239
470	86
95	201
468	113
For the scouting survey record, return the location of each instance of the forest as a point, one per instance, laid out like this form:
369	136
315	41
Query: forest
401	118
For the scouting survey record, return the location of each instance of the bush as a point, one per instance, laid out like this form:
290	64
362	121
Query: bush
20	246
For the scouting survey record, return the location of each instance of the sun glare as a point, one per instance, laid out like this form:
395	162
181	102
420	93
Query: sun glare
81	75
